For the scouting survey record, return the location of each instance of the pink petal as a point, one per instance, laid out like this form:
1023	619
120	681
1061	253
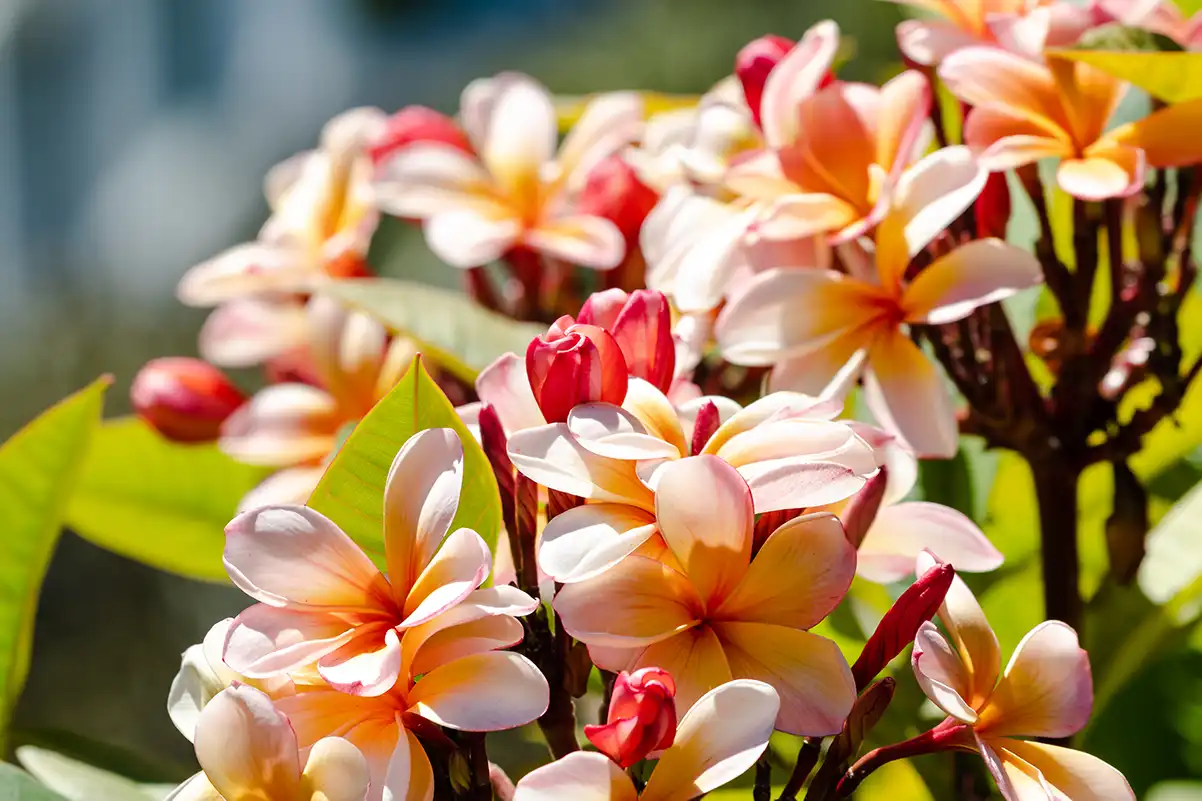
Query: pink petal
970	633
403	771
586	541
1071	774
498	603
265	641
246	747
720	737
504	384
294	556
483	692
907	395
973	275
460	566
466	238
797	76
989	76
551	456
249	331
1045	691
465	639
797	578
347	348
610	122
900	532
291	486
928	42
248	269
428	178
282	425
705	514
612	432
696	660
581	240
828	372
809	672
365	665
780	484
941	674
580	776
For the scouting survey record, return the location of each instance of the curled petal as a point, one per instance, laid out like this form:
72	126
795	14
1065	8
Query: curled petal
366	666
615	433
551	456
1102	175
588	540
459	567
337	770
246	746
266	641
941	674
900	532
970	633
249	331
583	240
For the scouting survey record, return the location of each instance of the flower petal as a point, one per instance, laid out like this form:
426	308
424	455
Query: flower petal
941	674
1164	135
265	641
928	42
294	556
907	396
1073	774
202	675
195	788
614	433
814	681
645	601
521	136
654	410
706	516
973	275
482	692
426	647
588	540
291	486
797	76
696	661
247	269
579	239
465	639
900	532
366	666
459	567
970	632
249	331
428	178
551	456
421	496
337	770
467	238
720	737
799	575
407	774
580	776
1005	141
828	372
505	385
1045	691
989	76
246	746
609	122
1103	175
282	425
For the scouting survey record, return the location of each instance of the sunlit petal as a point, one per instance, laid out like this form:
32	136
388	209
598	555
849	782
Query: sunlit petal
976	274
580	776
941	674
588	540
901	531
483	692
906	394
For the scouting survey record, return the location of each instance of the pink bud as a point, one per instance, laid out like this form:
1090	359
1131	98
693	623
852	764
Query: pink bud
573	364
754	63
185	400
642	717
704	425
992	209
418	124
643	330
613	191
860	512
602	308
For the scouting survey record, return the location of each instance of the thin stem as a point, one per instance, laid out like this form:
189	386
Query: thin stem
1056	493
807	758
763	780
944	736
477	757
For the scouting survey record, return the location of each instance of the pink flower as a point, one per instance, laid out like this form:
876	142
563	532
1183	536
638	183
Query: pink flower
573	364
185	400
322	599
414	124
642	717
779	76
247	749
1045	691
705	611
719	738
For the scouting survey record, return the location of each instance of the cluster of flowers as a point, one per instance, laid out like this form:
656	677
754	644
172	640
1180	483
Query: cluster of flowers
793	226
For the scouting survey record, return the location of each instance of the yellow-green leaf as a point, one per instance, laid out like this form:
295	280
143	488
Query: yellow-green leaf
1172	77
351	493
157	502
569	108
455	333
38	469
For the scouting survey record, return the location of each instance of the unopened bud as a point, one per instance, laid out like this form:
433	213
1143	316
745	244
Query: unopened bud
573	364
754	63
414	124
897	628
602	308
992	209
643	331
613	191
861	509
185	400
704	425
642	717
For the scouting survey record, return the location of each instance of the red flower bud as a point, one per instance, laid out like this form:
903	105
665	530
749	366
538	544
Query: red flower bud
754	63
704	425
642	717
602	308
573	364
418	124
992	209
861	510
643	330
613	191
185	400
897	628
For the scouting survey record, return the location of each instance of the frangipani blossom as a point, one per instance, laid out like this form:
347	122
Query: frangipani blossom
517	193
323	601
297	426
1021	26
718	739
821	183
1045	691
786	447
466	683
320	227
707	612
1025	111
247	750
821	329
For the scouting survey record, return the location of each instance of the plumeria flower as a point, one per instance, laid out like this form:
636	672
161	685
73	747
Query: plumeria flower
452	674
721	737
891	532
203	675
641	718
321	598
320	227
1158	16
518	192
1021	26
247	750
821	329
707	612
1026	111
1045	691
838	185
298	426
786	447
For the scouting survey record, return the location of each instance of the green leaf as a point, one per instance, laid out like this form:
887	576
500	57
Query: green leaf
1171	573
1189	7
1172	77
79	781
17	785
38	468
351	492
158	502
459	335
